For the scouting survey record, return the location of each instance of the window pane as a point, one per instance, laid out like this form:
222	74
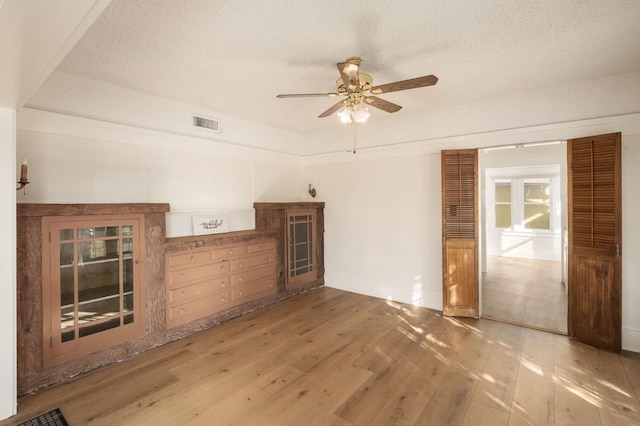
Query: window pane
503	192
127	273
110	231
503	215
536	193
97	328
536	216
67	296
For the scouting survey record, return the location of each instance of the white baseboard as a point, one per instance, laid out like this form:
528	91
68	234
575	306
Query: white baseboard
630	339
376	289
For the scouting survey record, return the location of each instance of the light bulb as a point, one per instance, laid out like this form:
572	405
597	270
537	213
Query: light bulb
345	115
360	114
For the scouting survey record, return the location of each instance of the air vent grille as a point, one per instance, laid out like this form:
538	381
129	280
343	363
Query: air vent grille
206	123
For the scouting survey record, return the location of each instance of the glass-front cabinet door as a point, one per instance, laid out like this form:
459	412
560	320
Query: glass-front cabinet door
92	292
301	246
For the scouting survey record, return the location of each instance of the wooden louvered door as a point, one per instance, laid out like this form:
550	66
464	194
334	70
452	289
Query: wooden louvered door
595	234
460	232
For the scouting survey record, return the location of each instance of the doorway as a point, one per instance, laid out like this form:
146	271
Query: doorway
523	198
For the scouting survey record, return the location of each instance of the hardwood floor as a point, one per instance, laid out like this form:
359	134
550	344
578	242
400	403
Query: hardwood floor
330	357
526	292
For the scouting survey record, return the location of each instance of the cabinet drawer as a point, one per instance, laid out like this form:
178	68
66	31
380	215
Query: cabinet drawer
263	246
248	291
226	252
198	308
191	258
251	261
185	294
253	275
180	277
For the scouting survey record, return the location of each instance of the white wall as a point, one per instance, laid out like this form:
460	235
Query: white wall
7	264
383	214
77	160
630	242
382	227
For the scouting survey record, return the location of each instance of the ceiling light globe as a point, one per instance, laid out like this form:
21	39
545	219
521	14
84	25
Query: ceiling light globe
361	114
345	115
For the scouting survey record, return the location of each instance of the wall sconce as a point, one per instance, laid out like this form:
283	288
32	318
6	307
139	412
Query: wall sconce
312	191
24	181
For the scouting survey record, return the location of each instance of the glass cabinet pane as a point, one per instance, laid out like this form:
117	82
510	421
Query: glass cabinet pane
67	292
300	244
105	231
127	273
94	284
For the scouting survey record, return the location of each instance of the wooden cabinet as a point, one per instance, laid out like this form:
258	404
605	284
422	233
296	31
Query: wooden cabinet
300	244
203	281
92	291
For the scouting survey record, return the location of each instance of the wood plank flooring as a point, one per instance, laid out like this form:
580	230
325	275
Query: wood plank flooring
330	357
526	292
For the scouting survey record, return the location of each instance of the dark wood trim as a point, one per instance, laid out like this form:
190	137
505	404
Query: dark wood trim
38	210
189	243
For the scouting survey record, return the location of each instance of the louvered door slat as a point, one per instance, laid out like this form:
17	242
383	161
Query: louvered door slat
595	232
460	232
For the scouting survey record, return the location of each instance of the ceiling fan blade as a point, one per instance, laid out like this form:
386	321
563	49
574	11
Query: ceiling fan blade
414	83
349	74
334	108
308	95
376	102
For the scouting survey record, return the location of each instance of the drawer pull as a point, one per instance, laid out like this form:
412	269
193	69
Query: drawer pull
241	264
221	267
192	257
269	258
181	292
182	311
240	279
182	275
223	299
223	284
231	251
240	293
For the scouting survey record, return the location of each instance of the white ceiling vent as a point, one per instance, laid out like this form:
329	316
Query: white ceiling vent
206	123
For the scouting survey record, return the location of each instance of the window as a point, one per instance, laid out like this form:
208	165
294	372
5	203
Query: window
503	203
523	204
91	284
537	212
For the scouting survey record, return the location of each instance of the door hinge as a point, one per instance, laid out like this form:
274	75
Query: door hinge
618	249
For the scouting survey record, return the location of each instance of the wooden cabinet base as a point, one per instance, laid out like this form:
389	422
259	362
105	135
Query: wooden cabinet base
217	275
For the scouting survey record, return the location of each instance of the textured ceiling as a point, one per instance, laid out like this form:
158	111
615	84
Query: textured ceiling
234	57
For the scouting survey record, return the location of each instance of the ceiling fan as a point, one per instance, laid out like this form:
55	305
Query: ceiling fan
359	91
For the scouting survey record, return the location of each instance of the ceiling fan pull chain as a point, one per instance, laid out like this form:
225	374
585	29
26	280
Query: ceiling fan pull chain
355	128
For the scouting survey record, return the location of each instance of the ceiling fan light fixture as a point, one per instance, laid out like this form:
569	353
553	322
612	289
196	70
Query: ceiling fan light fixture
345	115
360	113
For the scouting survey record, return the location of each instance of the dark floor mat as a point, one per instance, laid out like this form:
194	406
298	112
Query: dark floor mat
52	418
